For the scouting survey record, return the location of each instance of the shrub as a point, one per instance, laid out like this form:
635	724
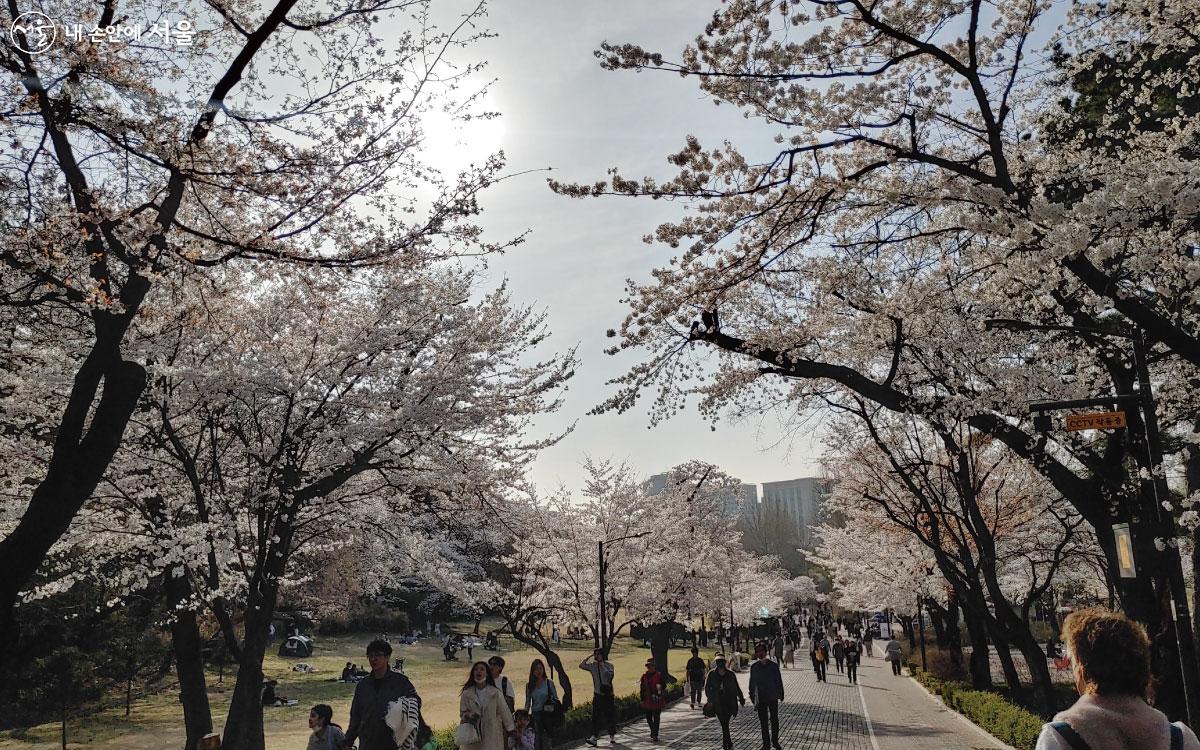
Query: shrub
990	711
369	618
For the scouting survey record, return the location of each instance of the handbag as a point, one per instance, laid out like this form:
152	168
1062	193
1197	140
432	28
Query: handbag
466	734
552	713
710	709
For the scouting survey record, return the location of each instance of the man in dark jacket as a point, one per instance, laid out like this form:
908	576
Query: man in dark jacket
766	691
695	676
371	698
725	694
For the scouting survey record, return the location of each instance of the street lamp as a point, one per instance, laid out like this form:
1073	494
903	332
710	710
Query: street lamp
1144	398
601	637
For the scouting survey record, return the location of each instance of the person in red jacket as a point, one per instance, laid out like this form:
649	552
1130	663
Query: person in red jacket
654	697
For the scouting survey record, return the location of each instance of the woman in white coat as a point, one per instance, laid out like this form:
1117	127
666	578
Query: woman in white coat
482	704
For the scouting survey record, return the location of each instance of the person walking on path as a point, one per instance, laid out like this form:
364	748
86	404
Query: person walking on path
481	703
540	695
892	654
325	734
695	671
853	653
602	695
839	654
820	655
372	694
766	691
654	697
777	646
1110	658
724	694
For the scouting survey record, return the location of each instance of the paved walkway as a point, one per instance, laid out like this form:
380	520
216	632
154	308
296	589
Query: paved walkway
883	712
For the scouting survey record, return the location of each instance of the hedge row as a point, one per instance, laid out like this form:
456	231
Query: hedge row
995	715
577	724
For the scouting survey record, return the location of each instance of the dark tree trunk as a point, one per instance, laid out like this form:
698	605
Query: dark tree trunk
980	664
76	466
535	640
1035	660
555	665
660	646
244	725
189	665
937	618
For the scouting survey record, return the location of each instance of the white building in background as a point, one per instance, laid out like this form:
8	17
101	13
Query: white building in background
800	499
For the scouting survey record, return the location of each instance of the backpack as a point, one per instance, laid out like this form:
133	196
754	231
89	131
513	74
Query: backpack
1072	738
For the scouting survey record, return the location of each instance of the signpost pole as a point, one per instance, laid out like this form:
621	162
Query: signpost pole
1182	620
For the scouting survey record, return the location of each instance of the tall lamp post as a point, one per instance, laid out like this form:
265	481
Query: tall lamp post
601	636
921	626
1144	398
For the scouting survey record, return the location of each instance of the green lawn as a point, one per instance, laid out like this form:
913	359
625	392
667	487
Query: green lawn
155	721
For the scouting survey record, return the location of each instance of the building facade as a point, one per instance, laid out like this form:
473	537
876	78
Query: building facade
800	500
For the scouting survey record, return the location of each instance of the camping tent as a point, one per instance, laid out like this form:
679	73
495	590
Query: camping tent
296	645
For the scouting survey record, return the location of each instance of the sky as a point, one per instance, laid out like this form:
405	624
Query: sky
561	110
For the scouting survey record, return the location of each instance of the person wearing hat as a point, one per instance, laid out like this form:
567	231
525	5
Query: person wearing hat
766	692
654	697
724	694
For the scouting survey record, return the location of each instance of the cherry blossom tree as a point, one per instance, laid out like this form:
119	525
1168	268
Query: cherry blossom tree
134	171
993	528
314	414
920	177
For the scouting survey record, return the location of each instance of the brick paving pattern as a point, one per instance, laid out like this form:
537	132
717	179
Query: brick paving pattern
825	716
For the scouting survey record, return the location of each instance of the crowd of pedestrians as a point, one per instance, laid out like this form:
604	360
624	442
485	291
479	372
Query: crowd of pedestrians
492	718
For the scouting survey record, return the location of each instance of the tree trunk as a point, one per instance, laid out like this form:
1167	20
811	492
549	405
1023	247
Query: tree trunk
554	663
76	466
937	617
953	634
660	644
980	664
564	680
189	666
244	725
1035	659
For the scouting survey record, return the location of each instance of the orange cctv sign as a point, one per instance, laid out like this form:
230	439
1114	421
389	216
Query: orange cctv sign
1101	420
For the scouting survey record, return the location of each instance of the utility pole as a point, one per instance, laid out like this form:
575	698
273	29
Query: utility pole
600	631
602	635
732	631
921	625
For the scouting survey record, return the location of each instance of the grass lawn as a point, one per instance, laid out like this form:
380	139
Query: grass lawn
156	721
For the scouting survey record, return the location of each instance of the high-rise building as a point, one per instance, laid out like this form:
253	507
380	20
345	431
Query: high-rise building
800	499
